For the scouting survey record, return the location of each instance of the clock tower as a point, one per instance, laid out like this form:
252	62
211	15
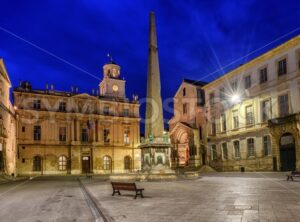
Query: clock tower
112	85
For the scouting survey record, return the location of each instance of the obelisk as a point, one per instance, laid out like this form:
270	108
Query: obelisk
156	148
154	125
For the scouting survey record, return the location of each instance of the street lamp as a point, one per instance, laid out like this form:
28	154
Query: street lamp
235	98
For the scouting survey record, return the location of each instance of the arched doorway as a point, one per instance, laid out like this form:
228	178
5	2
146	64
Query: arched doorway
287	152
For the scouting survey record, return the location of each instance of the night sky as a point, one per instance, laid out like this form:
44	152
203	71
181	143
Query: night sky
66	42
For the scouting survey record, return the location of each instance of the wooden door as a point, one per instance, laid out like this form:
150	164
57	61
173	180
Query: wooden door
86	164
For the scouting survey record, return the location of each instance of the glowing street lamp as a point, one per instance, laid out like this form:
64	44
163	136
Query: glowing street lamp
235	98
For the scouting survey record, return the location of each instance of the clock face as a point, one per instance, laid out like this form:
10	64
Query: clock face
115	88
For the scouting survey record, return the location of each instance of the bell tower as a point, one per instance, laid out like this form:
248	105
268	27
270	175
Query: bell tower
112	85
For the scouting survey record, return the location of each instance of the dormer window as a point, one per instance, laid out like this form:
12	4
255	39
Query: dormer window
62	107
37	104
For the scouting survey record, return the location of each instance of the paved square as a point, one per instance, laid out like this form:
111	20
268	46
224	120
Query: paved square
214	197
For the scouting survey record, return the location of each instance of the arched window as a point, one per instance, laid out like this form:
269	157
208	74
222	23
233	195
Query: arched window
106	163
37	163
62	163
127	163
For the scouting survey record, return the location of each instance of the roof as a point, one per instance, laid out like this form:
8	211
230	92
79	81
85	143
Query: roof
195	82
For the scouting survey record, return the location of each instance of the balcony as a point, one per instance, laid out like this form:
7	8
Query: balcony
283	120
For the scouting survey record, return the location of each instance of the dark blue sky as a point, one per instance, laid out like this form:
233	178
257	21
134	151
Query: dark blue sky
192	37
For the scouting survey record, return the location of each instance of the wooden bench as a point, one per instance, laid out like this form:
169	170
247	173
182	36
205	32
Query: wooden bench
117	186
292	175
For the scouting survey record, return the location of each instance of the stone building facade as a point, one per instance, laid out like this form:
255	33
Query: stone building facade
7	125
187	125
75	133
253	113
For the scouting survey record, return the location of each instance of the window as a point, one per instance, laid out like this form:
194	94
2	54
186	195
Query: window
234	86
247	82
106	110
249	115
266	145
183	92
235	119
200	97
62	134
37	163
126	136
225	151
37	133
213	126
263	75
250	147
266	110
106	135
283	105
159	160
106	163
200	132
23	129
282	70
62	107
222	93
62	163
37	104
214	154
185	109
236	147
223	122
211	98
298	60
84	135
127	163
126	112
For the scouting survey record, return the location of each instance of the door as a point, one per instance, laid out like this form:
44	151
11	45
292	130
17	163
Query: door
287	153
86	164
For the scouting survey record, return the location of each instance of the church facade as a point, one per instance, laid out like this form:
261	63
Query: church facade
77	133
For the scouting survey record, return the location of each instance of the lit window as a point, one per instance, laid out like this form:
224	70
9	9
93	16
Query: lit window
62	163
249	115
106	163
126	136
266	110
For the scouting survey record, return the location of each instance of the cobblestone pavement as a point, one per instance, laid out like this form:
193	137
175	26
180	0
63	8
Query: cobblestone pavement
214	197
43	199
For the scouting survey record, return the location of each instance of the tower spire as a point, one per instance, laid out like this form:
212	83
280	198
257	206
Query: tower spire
154	125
